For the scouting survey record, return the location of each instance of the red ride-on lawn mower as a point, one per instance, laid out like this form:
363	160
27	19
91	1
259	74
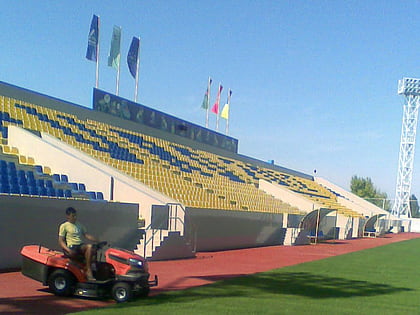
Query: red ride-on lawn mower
119	273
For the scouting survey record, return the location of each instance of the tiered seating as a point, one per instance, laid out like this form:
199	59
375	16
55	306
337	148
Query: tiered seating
307	188
127	152
19	175
194	177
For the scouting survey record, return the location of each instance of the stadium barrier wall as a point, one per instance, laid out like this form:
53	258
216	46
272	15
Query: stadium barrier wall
355	223
340	223
292	223
222	230
415	225
35	220
81	167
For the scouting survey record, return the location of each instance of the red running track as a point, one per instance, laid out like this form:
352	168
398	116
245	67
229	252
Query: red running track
20	295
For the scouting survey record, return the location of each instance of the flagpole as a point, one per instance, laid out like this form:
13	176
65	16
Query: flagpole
97	57
218	109
118	79
118	69
137	73
208	102
228	103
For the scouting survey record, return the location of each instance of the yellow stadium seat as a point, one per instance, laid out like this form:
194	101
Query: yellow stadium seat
47	170
30	161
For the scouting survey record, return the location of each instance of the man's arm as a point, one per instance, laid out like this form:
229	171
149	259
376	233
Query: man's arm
62	238
63	245
88	236
91	237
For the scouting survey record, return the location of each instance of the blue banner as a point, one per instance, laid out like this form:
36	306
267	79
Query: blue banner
133	55
142	115
93	40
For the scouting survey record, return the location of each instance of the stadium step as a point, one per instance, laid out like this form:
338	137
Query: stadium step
173	246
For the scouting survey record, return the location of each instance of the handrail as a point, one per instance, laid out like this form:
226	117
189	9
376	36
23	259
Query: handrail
173	218
192	230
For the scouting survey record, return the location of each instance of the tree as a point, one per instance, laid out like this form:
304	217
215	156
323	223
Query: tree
364	188
414	207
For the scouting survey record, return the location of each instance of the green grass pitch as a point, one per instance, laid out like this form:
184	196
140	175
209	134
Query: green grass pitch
382	280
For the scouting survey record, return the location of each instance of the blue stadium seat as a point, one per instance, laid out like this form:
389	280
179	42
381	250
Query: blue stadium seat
92	195
13	180
67	193
64	178
99	195
21	174
31	181
42	191
82	187
11	166
4	188
14	189
51	192
38	169
22	181
24	190
59	193
33	190
3	165
56	178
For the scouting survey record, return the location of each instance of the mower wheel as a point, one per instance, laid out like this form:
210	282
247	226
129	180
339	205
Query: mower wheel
122	292
61	282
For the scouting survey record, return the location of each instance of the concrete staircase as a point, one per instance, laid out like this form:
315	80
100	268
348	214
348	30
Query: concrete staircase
164	238
173	246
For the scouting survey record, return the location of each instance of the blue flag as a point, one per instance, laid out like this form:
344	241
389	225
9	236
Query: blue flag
133	55
93	39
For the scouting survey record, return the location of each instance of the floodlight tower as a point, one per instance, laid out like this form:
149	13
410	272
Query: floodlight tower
410	88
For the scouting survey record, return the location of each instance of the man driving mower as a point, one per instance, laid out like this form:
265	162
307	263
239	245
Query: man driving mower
70	240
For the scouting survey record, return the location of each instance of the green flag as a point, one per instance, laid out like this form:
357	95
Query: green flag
115	51
205	103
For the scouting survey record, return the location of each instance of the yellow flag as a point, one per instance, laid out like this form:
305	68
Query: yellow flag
225	112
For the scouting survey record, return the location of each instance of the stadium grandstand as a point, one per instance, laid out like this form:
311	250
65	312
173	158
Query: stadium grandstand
157	183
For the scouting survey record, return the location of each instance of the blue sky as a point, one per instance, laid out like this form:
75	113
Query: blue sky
314	82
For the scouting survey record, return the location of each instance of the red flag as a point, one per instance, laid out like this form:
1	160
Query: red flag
215	108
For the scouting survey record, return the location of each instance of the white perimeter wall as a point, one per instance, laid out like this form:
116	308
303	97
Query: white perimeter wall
306	205
415	225
81	167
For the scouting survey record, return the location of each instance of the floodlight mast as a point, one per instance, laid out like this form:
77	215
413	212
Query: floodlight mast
410	88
